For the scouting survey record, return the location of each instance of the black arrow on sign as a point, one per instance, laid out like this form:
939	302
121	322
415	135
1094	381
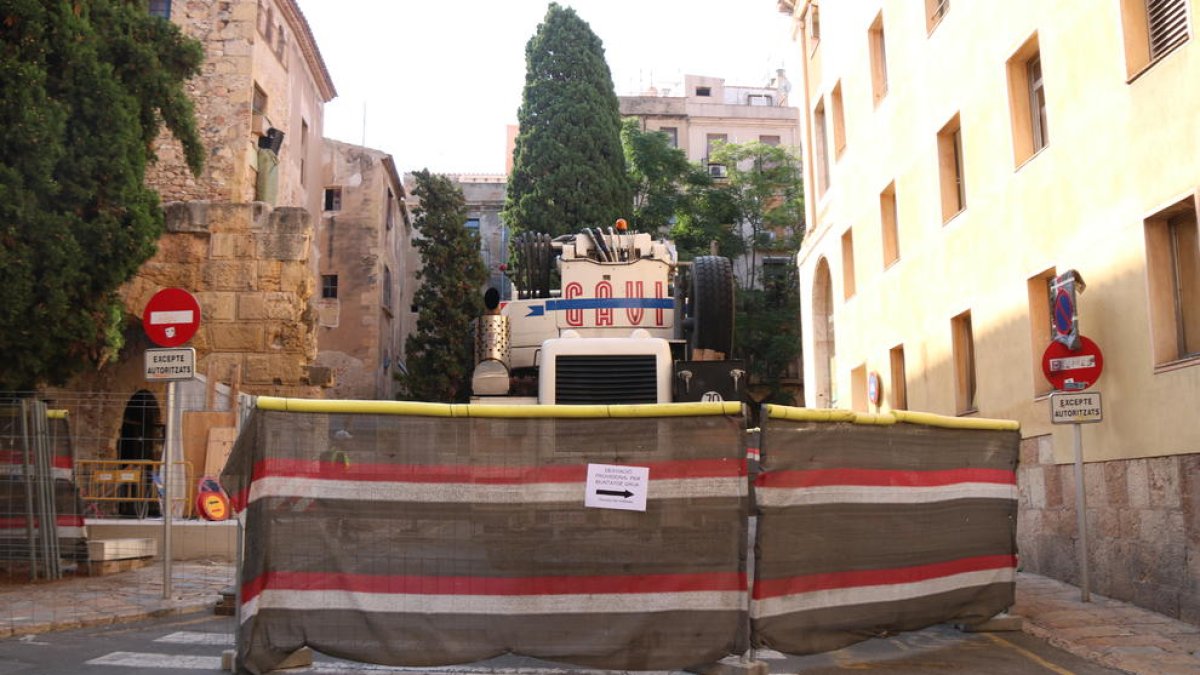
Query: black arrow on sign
624	493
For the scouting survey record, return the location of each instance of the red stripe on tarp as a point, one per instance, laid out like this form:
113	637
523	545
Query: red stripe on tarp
483	474
882	477
20	521
18	457
489	586
773	588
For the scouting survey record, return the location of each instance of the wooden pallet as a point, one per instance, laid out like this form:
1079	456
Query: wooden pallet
99	568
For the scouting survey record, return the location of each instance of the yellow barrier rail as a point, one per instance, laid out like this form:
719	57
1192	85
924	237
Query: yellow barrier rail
888	418
130	482
418	409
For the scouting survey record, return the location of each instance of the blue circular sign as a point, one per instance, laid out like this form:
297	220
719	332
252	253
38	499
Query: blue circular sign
1064	312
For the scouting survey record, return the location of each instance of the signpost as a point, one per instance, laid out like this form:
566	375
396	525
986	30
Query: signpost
170	319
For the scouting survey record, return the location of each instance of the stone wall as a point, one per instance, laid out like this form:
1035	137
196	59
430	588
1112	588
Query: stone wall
1143	520
223	96
247	264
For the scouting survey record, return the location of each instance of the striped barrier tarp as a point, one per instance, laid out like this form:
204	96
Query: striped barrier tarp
425	535
874	524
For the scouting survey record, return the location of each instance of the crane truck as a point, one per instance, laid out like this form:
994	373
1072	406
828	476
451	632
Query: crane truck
602	317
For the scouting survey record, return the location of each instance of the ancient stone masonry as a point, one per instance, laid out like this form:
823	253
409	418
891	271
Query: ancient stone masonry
247	264
223	98
1143	520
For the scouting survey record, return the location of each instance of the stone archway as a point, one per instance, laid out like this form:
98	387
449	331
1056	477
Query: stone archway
141	438
824	357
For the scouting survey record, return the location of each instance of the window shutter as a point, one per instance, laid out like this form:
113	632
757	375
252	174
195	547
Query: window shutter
1167	20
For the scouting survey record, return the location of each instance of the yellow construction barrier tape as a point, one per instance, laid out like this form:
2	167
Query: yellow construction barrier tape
418	409
908	416
56	414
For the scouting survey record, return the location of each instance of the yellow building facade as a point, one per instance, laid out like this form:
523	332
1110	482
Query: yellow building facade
958	157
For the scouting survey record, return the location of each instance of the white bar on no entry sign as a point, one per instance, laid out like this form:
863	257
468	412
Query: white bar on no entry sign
172	317
1072	363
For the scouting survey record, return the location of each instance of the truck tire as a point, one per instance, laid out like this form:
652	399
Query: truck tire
711	304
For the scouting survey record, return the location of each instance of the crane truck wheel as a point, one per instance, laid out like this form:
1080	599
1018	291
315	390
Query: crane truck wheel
711	304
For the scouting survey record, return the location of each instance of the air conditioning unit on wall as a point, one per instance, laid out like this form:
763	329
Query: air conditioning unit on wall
717	171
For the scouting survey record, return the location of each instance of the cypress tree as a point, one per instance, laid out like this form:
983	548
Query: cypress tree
568	164
441	351
87	86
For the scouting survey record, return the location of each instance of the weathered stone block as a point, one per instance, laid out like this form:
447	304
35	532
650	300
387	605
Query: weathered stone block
252	306
1029	451
274	369
237	337
320	376
1093	481
189	216
1034	486
1045	449
1054	489
1137	481
217	305
280	246
286	337
290	220
1163	481
229	275
296	278
182	248
231	245
1116	487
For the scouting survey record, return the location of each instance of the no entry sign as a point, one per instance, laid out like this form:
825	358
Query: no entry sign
171	317
1073	370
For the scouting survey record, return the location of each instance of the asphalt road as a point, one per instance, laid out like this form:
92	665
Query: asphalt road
193	644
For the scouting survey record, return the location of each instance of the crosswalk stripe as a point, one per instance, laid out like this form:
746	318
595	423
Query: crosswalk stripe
145	660
190	637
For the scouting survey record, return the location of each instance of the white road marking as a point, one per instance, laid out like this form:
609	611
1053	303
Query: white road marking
188	637
143	660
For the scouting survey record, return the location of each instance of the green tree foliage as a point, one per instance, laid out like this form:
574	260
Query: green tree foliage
659	175
441	351
86	88
568	165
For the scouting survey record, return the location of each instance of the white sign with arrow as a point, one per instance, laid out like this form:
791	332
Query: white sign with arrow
613	486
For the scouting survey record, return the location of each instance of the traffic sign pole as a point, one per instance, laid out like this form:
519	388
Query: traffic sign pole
1081	514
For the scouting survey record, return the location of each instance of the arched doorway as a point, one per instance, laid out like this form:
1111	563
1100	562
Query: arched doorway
141	439
824	356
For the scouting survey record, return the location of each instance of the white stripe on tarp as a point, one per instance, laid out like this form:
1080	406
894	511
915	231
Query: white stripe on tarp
191	637
875	494
477	493
498	605
147	660
171	317
18	471
64	532
861	595
350	668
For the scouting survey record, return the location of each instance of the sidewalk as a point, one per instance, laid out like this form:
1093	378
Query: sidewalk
1108	632
78	602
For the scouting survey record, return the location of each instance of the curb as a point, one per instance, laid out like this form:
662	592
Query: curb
1083	652
73	624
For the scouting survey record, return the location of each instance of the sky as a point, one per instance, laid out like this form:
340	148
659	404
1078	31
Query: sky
436	82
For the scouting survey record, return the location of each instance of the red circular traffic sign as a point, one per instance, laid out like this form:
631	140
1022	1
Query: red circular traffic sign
1073	371
171	317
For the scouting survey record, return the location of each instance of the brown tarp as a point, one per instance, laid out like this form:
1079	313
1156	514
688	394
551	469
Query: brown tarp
424	541
868	530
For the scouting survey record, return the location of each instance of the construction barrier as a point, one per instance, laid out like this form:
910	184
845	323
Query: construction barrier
41	515
415	534
874	524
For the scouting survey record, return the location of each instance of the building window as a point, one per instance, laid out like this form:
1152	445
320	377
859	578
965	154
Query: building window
711	143
899	388
389	215
1041	325
270	32
160	8
839	120
704	91
261	17
820	144
472	225
934	11
879	81
887	220
1173	271
858	388
769	140
387	288
303	150
848	288
333	199
813	24
329	287
259	104
759	99
672	135
280	42
1027	101
950	169
964	363
1153	28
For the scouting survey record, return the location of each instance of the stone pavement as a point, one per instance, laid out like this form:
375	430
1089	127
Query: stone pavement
1108	632
77	602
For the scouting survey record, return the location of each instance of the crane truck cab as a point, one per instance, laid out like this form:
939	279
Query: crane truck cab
626	322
